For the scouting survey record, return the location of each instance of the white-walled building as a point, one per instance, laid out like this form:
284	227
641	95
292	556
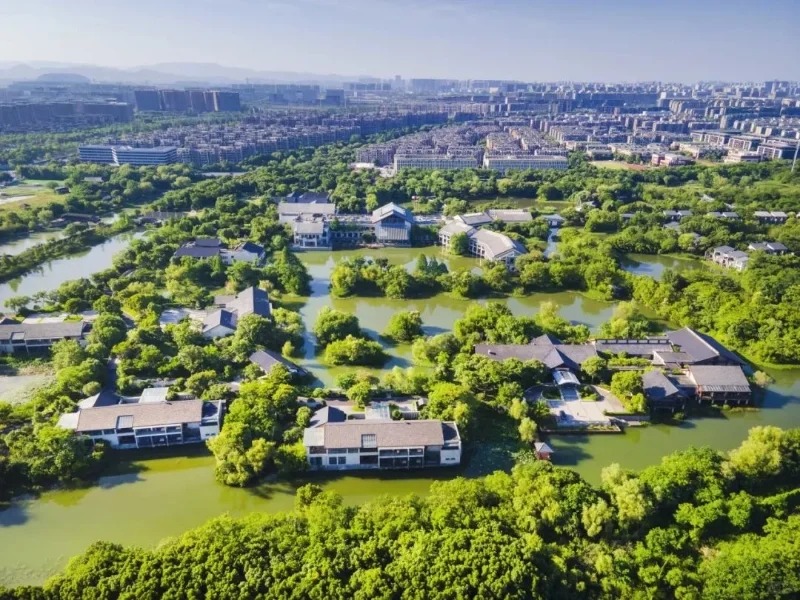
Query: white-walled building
503	164
483	243
150	422
335	443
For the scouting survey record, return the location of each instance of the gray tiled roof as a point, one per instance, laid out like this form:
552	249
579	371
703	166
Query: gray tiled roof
197	251
142	415
719	378
251	247
571	356
327	414
250	301
454	227
644	347
475	219
657	386
315	198
512	215
266	359
700	347
497	245
41	331
221	317
388	434
389	210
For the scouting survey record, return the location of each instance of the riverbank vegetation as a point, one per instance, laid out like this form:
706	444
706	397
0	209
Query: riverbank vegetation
700	524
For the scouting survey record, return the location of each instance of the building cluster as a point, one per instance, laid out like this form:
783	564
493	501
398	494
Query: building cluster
188	100
222	321
212	247
730	258
491	144
317	225
25	115
685	364
484	243
205	143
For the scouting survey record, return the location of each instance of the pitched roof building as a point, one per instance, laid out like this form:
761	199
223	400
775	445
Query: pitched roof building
223	321
333	443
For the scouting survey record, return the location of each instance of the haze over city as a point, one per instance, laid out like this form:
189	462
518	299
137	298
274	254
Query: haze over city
584	40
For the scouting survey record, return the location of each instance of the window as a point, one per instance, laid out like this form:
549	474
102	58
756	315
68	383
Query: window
369	440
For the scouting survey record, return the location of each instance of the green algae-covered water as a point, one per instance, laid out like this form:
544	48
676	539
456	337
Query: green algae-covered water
154	498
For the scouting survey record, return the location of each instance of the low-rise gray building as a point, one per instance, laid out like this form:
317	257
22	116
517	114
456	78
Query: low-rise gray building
31	337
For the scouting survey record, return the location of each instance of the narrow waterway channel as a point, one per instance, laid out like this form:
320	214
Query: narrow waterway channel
156	498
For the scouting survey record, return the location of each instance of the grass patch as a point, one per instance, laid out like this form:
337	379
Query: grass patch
17	389
29	196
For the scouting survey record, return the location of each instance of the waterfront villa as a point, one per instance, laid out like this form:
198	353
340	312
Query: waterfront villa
222	322
728	257
318	226
684	364
147	422
334	442
267	359
483	243
31	337
203	248
774	248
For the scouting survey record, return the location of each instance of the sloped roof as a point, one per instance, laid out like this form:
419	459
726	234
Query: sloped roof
388	210
657	386
208	243
141	415
250	301
388	434
475	219
454	227
251	247
327	414
315	198
716	378
511	215
193	251
699	346
41	331
266	359
571	356
219	318
497	245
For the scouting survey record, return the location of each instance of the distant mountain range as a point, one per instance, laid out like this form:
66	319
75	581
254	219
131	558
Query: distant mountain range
181	74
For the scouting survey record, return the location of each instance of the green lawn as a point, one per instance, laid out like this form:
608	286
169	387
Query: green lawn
30	194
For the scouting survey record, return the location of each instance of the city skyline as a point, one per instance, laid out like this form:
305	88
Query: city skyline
623	41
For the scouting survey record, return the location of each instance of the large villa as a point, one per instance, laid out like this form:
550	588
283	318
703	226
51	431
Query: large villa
337	441
684	364
149	421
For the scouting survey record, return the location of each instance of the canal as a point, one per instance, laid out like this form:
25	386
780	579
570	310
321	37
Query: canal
154	498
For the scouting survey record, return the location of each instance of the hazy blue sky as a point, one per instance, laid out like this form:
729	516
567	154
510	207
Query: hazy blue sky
616	40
